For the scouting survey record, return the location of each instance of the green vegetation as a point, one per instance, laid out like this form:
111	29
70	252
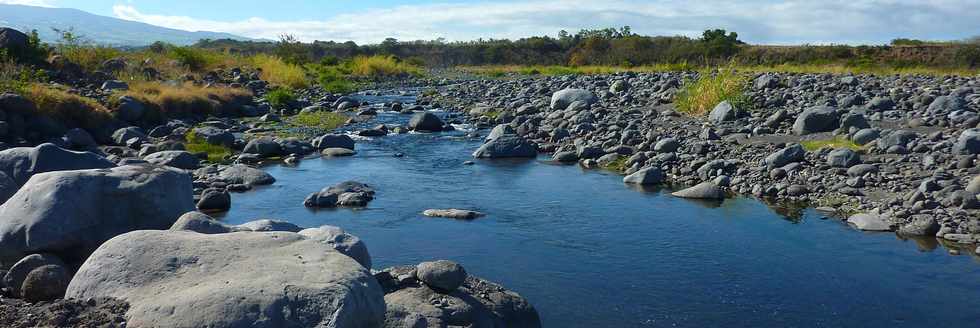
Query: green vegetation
279	72
836	142
382	66
619	165
197	144
318	120
34	53
699	97
280	97
17	78
332	78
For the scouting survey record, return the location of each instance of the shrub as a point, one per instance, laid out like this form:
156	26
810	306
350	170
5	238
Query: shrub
381	66
193	59
17	78
69	109
278	72
333	80
280	97
197	144
701	96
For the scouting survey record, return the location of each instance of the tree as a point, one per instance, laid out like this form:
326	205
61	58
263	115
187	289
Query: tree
719	43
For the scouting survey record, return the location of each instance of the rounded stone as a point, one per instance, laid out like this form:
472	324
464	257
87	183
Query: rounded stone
443	276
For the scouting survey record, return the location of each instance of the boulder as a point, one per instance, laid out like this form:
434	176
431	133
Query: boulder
561	99
333	141
897	138
453	214
244	279
869	222
13	41
201	223
123	136
79	139
724	112
243	174
968	143
506	146
14	278
921	225
130	109
647	176
340	240
844	158
7	187
666	145
214	136
499	131
214	200
268	225
974	185
46	283
21	163
70	213
348	193
264	147
790	154
337	152
865	136
816	119
442	276
426	122
174	158
704	190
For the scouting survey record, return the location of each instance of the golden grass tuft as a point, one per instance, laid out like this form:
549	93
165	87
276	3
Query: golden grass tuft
699	97
69	109
382	66
187	99
278	72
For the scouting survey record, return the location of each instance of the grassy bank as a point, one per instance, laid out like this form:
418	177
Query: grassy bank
503	70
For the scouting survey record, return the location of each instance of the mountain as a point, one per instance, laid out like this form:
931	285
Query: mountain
98	29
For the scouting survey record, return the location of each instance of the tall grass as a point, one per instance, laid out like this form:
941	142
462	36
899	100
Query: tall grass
185	100
280	97
69	109
502	70
700	96
382	66
278	72
554	70
197	144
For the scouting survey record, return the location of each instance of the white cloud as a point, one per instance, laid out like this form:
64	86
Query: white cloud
38	3
757	21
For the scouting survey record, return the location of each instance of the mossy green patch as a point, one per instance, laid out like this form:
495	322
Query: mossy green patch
835	142
197	144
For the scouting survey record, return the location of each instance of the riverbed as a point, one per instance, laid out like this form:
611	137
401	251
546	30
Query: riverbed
589	251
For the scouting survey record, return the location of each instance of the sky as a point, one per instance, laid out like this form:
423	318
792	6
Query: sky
371	21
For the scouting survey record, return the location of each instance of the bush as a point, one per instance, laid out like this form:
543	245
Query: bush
278	72
333	80
197	144
280	97
191	58
17	78
381	66
701	96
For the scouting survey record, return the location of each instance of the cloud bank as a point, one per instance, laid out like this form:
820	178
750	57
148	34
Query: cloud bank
756	21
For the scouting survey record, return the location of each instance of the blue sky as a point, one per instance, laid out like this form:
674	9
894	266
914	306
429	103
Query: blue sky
370	21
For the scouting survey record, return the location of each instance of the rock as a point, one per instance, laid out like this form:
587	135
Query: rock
619	86
797	190
561	99
766	81
666	145
946	104
130	109
790	154
477	303
21	163
243	174
844	158
249	279
8	187
426	122
861	169
855	121
70	213
264	147
646	176
974	185
13	41
201	223
338	152
816	119
340	240
14	278
506	146
499	131
214	136
333	141
565	157
174	158
79	139
214	200
881	104
704	190
897	138
267	225
968	143
453	214
920	226
123	136
442	276
46	283
113	85
865	136
724	112
348	193
869	222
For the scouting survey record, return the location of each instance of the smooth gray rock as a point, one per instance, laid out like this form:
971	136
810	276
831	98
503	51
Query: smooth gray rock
453	214
506	146
264	147
844	158
244	279
174	158
21	163
790	154
724	112
861	170
565	157
214	136
214	200
7	187
816	119
499	131
968	143
243	174
426	121
348	193
974	185
442	275
46	283
130	109
337	152
561	99
70	213
340	240
79	139
666	145
14	278
869	222
268	225
646	176
865	136
897	138
704	190
920	226
333	141
201	223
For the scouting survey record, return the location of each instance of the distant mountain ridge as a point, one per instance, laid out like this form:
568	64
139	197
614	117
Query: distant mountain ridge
96	28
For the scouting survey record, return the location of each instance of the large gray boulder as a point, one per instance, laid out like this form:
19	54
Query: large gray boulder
844	158
442	275
243	279
499	131
704	190
475	303
122	136
647	176
12	41
23	162
174	158
816	119
348	193
561	99
724	112
70	213
968	143
869	222
333	141
243	174
18	272
340	240
789	154
506	146
426	122
214	136
264	147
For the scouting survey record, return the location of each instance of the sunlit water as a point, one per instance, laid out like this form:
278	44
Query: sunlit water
589	251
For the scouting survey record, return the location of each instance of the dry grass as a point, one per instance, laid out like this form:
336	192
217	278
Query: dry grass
501	70
69	109
278	72
185	100
90	58
382	66
699	97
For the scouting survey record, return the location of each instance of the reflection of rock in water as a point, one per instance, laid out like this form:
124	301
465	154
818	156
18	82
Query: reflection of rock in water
790	211
924	243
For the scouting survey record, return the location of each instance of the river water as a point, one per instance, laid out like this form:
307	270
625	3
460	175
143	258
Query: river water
588	251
